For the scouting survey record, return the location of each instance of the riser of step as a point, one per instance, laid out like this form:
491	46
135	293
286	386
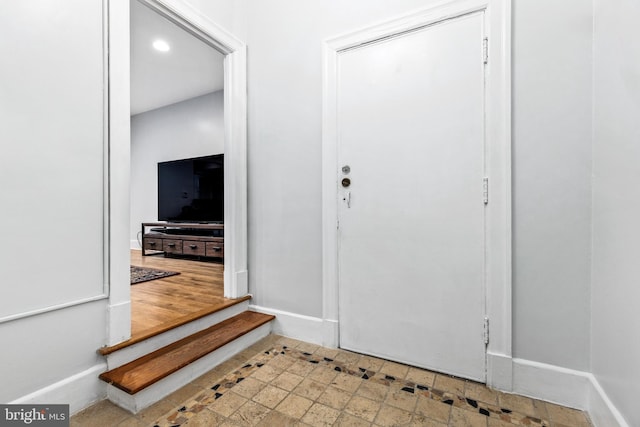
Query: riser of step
128	354
155	392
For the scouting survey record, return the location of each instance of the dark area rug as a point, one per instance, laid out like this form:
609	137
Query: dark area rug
144	274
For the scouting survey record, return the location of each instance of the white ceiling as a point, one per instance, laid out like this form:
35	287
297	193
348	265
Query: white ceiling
191	68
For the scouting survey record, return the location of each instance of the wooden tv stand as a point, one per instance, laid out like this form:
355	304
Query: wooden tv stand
179	238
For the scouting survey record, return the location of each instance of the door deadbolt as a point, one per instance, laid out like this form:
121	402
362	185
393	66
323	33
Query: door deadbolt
346	182
346	169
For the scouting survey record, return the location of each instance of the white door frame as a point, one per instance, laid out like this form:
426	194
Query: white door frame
498	167
235	150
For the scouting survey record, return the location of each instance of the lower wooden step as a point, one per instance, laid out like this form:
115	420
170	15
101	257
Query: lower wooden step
147	370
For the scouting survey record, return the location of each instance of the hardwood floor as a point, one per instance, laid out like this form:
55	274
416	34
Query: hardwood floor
162	304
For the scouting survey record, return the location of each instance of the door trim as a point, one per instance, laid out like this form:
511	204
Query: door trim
235	148
498	167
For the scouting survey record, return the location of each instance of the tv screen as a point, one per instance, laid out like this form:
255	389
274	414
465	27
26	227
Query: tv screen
191	190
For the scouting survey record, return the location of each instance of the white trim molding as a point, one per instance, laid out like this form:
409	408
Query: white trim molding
298	326
601	410
235	128
78	391
566	387
235	147
498	158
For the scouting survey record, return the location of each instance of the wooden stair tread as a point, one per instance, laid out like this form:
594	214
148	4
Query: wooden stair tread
166	327
142	372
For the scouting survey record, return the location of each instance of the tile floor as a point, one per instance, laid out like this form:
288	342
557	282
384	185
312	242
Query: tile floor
283	382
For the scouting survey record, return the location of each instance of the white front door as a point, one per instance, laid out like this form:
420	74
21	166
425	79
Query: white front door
411	222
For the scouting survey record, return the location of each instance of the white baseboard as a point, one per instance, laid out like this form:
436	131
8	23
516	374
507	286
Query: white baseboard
305	328
78	391
567	387
119	323
499	371
555	384
601	410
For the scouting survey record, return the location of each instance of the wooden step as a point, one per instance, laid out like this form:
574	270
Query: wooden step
149	369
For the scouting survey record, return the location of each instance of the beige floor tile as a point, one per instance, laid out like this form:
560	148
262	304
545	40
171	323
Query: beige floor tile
310	389
464	418
335	398
402	399
326	352
370	363
421	376
99	415
132	422
422	421
568	416
228	403
249	387
154	412
209	379
206	418
480	393
250	414
231	423
270	396
515	403
348	420
323	374
432	409
389	416
266	374
301	367
287	381
494	422
540	409
307	347
373	391
346	382
183	394
294	406
347	357
281	362
320	415
363	408
227	367
277	419
394	369
449	384
289	342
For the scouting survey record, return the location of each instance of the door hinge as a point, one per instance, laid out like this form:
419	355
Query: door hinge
485	190
486	330
485	49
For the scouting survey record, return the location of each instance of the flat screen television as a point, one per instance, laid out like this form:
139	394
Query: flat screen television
191	190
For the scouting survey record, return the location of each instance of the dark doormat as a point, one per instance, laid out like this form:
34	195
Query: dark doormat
144	274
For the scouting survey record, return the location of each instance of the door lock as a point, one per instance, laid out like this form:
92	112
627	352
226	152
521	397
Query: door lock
346	182
346	169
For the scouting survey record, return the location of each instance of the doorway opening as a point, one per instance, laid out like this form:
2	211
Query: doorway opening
177	151
212	123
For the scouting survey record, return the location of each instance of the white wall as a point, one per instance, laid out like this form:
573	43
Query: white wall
552	75
552	161
191	128
51	170
616	204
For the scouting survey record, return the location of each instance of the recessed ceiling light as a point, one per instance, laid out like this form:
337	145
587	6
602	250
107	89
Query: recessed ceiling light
161	45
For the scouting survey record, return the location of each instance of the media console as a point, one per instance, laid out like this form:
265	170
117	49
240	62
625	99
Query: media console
179	238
